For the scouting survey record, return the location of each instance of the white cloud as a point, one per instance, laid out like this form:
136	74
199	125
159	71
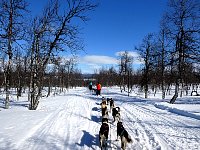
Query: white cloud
95	59
92	63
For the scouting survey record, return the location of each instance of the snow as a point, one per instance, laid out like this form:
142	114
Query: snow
71	121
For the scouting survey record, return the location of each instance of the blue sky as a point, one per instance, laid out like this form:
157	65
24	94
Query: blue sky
115	26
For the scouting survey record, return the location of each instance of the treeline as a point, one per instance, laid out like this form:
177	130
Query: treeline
31	49
170	57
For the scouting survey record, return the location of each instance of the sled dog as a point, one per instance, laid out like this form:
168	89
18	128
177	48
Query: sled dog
104	111
116	113
105	119
108	100
103	104
111	104
103	135
123	134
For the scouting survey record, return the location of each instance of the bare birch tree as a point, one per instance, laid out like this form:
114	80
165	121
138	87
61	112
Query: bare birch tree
162	49
146	53
11	31
125	70
53	32
183	22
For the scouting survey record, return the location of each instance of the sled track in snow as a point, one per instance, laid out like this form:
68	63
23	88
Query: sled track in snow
54	131
39	135
141	133
170	121
153	114
152	131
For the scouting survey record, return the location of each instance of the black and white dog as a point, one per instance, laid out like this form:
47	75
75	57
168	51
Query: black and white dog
116	113
123	134
108	100
104	119
103	104
103	134
111	104
104	111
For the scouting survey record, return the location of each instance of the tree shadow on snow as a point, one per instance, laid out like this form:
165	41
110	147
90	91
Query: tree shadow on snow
190	100
115	93
14	103
88	140
95	118
98	103
45	142
95	109
91	97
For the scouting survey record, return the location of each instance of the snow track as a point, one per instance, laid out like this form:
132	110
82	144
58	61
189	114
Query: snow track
72	122
160	130
73	116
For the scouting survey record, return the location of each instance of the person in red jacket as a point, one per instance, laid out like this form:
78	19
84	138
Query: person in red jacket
98	89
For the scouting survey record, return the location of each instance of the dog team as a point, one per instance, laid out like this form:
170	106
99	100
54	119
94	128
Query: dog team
104	129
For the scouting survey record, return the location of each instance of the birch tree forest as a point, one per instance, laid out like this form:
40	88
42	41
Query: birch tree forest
29	45
171	57
31	50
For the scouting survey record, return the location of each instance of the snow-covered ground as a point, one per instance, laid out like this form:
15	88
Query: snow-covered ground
71	122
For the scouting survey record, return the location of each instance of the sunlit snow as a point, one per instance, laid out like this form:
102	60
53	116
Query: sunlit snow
71	121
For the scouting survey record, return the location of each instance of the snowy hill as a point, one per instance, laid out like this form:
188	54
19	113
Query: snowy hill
71	122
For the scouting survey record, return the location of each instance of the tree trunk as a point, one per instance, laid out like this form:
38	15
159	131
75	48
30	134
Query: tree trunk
163	91
146	90
172	101
7	77
49	88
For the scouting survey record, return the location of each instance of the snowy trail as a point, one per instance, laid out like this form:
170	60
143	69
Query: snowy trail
162	130
81	116
142	133
72	116
155	128
72	122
